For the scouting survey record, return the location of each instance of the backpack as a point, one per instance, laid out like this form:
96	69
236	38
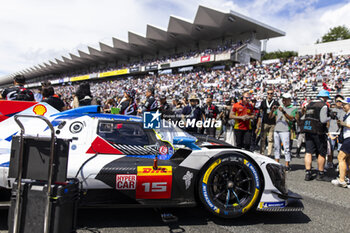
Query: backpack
24	94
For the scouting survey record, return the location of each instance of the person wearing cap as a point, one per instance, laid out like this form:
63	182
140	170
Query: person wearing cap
284	116
314	125
18	91
151	104
192	111
337	113
344	152
210	111
165	109
128	106
243	112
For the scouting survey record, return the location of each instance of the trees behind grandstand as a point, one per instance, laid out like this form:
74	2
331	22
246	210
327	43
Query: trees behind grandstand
334	34
279	54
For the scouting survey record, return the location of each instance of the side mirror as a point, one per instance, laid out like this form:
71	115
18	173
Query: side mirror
186	141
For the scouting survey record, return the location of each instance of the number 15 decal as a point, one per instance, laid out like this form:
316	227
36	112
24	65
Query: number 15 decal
154	184
155	187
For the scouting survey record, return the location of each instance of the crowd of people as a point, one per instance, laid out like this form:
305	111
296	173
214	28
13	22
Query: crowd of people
256	111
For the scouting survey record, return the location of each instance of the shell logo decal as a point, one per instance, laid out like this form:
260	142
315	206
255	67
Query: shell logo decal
40	110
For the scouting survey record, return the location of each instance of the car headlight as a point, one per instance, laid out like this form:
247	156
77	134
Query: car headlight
278	177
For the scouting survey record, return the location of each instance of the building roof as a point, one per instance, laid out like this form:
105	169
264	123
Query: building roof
209	24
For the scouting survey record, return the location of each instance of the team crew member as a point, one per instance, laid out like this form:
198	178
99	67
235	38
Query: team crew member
192	111
18	91
344	153
242	113
51	98
210	112
128	106
315	129
267	124
284	116
151	103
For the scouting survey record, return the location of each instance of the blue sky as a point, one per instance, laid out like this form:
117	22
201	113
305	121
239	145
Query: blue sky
38	30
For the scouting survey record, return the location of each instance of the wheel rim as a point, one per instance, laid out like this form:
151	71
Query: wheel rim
231	185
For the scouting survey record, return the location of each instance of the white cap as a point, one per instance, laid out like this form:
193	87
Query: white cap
286	96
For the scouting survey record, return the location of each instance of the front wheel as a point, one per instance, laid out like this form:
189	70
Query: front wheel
230	185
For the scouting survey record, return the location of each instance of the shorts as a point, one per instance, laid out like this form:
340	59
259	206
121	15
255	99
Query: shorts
316	144
345	147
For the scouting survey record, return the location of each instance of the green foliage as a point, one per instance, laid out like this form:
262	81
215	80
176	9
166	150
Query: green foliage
335	33
279	54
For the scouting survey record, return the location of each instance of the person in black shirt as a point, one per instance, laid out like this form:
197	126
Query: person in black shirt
192	112
210	112
151	103
165	109
266	124
52	99
129	106
18	91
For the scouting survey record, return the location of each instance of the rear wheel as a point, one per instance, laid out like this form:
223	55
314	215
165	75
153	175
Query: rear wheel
230	185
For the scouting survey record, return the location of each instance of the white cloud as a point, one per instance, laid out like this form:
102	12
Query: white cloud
35	31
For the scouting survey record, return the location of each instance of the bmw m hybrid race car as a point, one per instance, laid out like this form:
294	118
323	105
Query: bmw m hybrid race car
120	163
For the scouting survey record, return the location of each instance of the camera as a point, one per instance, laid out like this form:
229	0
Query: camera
333	115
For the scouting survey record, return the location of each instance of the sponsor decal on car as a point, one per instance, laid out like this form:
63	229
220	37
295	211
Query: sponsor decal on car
125	182
279	204
154	183
187	178
163	150
40	110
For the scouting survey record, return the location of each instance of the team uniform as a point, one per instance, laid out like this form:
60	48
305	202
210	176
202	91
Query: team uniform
242	129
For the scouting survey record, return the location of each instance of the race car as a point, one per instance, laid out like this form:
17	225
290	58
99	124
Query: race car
122	163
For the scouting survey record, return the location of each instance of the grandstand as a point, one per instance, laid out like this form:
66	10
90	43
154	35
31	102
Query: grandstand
213	38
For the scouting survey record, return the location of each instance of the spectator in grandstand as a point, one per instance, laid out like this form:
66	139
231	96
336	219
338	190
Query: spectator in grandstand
210	112
128	106
336	113
243	113
315	129
83	96
151	103
344	153
266	124
285	116
51	98
192	112
18	91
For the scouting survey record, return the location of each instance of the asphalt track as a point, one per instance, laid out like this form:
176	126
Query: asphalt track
327	209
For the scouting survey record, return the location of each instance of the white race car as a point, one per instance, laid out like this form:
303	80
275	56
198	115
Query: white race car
114	158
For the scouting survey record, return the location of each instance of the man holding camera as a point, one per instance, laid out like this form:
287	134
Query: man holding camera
315	128
337	113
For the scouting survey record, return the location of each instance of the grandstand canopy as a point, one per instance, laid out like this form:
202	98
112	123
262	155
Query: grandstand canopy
208	25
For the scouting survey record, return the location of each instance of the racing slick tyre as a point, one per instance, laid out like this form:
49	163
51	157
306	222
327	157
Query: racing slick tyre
230	185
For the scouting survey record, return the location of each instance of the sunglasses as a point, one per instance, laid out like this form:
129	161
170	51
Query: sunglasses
270	93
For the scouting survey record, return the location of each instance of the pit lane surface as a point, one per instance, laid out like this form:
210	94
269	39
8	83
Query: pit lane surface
327	209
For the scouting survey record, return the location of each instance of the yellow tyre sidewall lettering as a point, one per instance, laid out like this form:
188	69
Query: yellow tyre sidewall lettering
209	170
257	184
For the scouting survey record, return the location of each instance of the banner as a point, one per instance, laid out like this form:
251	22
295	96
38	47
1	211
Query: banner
165	65
79	78
134	69
223	56
151	67
113	73
167	71
205	58
187	68
191	61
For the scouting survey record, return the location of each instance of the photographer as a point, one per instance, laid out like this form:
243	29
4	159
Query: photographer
337	113
315	128
344	153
